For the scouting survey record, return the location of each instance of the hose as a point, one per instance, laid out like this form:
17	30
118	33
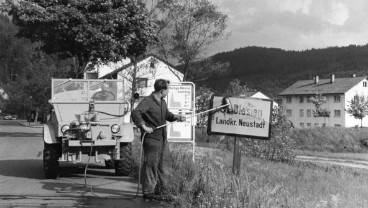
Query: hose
139	175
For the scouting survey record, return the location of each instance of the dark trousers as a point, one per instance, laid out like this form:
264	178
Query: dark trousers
156	157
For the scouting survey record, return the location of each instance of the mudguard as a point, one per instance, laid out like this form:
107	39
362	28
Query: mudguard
49	134
128	133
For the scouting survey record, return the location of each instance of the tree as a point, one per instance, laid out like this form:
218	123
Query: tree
87	31
186	29
318	99
358	107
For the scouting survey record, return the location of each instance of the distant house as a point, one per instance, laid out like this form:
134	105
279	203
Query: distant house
258	94
338	93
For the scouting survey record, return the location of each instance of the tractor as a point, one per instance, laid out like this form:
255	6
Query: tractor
88	118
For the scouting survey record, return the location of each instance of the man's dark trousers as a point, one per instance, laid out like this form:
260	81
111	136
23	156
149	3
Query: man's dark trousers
155	166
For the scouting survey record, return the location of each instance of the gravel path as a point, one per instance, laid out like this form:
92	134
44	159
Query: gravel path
349	163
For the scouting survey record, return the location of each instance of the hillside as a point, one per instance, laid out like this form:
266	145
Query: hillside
271	70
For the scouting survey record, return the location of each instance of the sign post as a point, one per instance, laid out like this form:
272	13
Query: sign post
248	117
181	100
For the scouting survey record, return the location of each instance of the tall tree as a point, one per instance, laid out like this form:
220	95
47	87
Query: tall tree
358	107
187	28
88	31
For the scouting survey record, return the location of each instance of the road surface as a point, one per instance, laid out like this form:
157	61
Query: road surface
22	182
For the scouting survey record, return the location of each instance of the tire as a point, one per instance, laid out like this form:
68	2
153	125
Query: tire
51	161
123	166
109	164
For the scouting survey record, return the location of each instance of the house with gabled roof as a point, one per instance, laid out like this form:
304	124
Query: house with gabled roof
337	91
149	68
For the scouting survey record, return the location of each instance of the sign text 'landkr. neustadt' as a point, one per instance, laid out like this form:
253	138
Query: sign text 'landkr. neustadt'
248	117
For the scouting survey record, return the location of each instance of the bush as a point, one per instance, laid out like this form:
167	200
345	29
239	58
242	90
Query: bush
279	148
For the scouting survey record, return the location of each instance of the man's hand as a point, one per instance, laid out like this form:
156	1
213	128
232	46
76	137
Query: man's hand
147	129
181	118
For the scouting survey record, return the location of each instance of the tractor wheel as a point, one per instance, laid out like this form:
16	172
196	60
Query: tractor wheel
123	167
50	161
109	164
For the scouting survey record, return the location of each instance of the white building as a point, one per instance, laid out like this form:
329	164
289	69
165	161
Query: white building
148	69
338	93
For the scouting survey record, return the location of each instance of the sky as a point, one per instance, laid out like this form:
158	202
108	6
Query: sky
293	24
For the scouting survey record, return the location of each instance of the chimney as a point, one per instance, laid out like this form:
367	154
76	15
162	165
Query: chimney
354	75
332	78
316	79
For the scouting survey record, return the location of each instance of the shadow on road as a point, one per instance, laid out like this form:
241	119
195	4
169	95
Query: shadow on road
32	169
20	134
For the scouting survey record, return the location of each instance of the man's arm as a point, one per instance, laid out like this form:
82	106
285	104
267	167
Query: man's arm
137	118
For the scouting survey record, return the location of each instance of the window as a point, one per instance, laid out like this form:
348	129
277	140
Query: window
337	125
288	99
308	99
302	125
289	113
301	114
309	125
337	113
301	99
364	84
141	82
309	113
337	98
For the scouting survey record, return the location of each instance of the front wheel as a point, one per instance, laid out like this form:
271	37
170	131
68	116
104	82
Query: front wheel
51	161
123	166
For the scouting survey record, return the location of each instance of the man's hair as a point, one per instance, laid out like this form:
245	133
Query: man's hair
160	84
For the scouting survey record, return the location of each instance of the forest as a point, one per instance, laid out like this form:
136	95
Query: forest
271	70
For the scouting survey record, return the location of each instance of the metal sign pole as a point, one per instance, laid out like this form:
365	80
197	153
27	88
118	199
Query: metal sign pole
236	157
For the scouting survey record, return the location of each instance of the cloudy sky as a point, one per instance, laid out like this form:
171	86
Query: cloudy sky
293	24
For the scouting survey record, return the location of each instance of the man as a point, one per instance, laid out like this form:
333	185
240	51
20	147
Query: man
152	112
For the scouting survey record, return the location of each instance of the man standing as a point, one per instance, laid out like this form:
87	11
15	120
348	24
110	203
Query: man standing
152	112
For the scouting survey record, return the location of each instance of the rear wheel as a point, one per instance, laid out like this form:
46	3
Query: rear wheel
109	164
123	166
50	161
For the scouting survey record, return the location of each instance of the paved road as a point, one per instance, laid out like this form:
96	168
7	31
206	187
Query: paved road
22	182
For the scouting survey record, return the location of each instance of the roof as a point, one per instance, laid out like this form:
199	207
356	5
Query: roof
249	93
308	87
138	60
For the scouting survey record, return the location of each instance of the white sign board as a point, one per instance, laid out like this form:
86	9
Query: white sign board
180	97
180	130
249	117
180	100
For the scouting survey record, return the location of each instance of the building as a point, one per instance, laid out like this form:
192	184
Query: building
148	69
337	91
259	94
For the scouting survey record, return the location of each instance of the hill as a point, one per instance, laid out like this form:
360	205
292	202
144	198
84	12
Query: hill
271	70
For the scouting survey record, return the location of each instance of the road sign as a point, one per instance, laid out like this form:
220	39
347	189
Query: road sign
181	100
180	96
250	117
182	131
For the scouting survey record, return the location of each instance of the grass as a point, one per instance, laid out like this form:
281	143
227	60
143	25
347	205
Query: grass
210	183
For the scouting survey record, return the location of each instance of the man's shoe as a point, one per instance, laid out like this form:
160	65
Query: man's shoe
150	197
